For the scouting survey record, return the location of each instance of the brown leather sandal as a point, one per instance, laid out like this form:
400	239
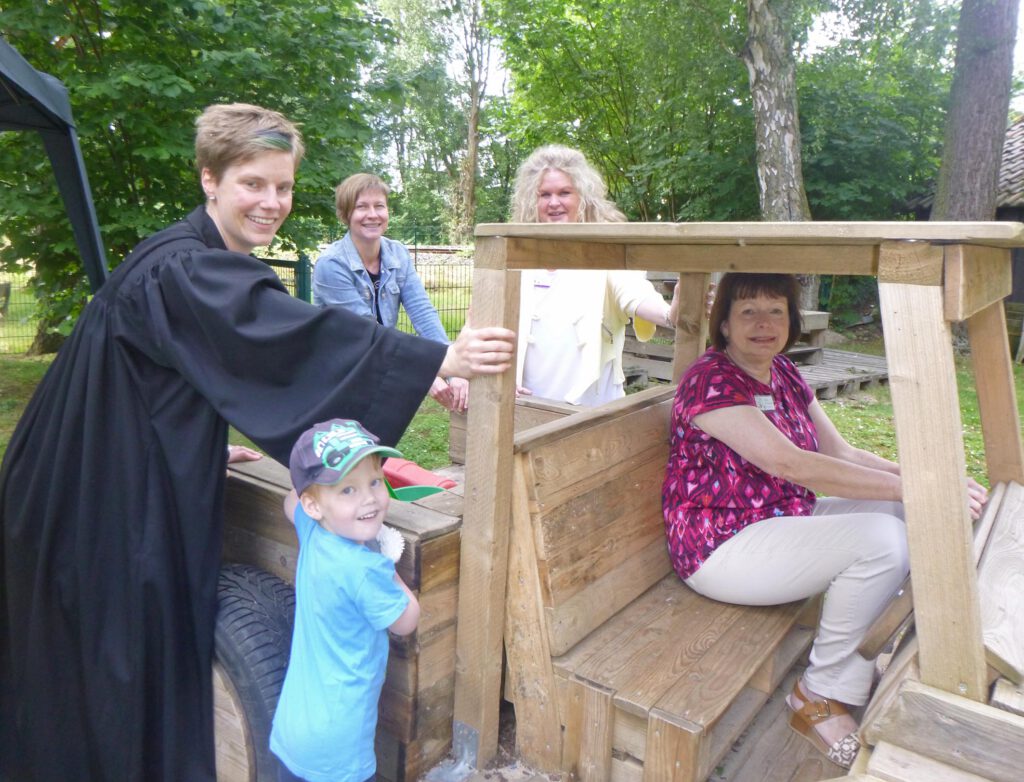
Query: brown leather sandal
804	720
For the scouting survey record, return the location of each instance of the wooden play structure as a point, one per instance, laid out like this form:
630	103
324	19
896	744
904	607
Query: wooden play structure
616	669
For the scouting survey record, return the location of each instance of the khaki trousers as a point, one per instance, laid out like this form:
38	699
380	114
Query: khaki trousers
855	551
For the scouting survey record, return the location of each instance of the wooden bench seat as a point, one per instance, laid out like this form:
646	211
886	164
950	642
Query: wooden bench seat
619	671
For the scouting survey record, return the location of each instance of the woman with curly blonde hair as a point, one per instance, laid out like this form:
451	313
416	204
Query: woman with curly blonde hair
573	321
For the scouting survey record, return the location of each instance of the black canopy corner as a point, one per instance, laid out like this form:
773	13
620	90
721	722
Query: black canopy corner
31	100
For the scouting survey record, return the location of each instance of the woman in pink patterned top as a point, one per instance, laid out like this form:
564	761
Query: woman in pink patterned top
750	447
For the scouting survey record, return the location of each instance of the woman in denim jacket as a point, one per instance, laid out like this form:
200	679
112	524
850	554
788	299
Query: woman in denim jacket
371	275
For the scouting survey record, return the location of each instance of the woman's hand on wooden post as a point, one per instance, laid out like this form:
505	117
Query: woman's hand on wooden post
486	351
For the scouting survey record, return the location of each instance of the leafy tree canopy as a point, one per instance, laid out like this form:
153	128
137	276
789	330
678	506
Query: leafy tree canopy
657	96
139	72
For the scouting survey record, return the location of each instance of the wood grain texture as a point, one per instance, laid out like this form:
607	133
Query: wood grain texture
975	278
825	233
931	455
485	525
892	763
1001	588
956	731
530	674
997	396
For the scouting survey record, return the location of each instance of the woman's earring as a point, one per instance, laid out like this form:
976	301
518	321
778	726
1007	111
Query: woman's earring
211	197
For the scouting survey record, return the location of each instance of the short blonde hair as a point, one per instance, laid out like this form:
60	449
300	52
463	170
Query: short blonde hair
347	193
595	206
231	133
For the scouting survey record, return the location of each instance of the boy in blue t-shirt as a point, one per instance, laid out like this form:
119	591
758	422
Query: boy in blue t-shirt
348	596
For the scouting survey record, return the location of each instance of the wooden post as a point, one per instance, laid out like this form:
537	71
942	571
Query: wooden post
691	322
997	399
929	437
485	522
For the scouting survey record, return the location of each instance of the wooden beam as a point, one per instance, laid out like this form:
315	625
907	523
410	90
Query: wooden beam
969	736
997	397
912	263
531	678
691	335
994	233
1008	696
892	763
746	257
1001	584
931	453
975	278
894	620
534	254
485	524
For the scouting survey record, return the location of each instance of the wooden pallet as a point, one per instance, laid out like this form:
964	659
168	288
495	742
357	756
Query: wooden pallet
843	372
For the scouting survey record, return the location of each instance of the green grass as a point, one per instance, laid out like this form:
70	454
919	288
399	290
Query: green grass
18	378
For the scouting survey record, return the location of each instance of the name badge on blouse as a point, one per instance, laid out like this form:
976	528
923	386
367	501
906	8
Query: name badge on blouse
764	402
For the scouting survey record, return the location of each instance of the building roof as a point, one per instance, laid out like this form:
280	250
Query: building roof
1011	169
1010	193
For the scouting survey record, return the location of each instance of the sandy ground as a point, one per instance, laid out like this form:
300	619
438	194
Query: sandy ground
505	767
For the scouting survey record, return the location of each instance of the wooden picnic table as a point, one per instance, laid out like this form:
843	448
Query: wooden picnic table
930	275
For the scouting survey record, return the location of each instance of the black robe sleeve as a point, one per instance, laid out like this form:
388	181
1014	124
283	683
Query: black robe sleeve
270	364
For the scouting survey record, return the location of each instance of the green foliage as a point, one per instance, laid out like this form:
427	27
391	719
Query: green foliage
872	109
653	93
849	299
419	124
138	74
657	96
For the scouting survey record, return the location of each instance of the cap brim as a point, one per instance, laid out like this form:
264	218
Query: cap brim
411	493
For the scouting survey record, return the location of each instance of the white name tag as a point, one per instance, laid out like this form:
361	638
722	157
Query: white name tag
764	402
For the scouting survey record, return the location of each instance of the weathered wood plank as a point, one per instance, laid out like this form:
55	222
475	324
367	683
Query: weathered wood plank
691	326
642	661
572	619
1001	586
715	679
607	494
594	759
827	233
910	263
586	419
895	764
975	278
1008	696
529	412
957	731
584	453
922	378
997	398
530	674
484	555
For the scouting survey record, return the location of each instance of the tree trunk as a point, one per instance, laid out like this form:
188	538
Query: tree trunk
978	110
768	55
467	174
477	50
47	339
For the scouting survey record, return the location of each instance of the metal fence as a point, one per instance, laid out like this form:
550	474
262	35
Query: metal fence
447	274
17	313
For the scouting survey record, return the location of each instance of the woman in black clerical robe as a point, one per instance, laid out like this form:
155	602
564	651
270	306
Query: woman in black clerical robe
111	490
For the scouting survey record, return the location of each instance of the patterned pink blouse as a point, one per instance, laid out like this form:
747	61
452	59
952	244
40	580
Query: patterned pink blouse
710	491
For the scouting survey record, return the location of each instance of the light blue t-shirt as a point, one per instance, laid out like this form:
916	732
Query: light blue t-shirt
345	599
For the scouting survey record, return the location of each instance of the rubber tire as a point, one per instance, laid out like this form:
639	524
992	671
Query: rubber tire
252	642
